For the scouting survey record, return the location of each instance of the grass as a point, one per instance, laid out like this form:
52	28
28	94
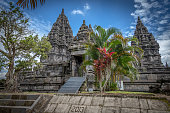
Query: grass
119	92
127	92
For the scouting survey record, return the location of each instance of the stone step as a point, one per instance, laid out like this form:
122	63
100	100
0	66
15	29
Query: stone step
13	102
13	109
17	103
2	88
19	97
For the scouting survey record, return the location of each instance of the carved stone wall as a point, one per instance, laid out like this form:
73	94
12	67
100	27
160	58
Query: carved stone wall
151	69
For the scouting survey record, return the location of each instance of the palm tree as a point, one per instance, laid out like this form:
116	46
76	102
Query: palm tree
100	40
25	3
123	61
125	58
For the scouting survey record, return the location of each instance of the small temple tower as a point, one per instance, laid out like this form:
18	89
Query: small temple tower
78	49
56	68
151	69
60	38
151	59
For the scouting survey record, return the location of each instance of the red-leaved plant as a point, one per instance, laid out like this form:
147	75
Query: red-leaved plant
103	65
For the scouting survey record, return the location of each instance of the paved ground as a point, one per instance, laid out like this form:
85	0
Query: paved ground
92	104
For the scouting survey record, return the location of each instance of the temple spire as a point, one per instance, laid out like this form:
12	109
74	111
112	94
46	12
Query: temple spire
166	64
62	11
139	19
84	22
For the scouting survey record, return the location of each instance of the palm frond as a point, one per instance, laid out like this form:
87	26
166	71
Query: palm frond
25	3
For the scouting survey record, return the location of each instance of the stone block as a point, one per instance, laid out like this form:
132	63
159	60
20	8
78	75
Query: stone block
93	109
50	108
62	108
111	110
66	99
54	99
97	101
77	109
111	101
143	104
156	111
143	111
157	105
85	100
130	102
75	99
129	110
60	99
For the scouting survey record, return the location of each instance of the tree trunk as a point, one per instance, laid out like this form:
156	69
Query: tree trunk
11	78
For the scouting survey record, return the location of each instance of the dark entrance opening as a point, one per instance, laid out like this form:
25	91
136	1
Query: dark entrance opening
79	60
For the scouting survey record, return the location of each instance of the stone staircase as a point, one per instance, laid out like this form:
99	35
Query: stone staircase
72	86
18	103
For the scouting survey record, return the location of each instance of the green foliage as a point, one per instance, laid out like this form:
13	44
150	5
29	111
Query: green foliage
2	81
124	60
3	61
113	86
21	48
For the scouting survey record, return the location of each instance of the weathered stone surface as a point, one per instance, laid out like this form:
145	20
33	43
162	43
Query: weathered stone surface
130	110
143	103
111	101
77	109
155	111
143	111
93	109
97	101
86	100
110	110
50	108
90	104
62	108
66	99
157	105
130	102
54	99
75	100
60	99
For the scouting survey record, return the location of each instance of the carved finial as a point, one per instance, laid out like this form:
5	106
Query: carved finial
166	64
139	21
83	21
138	18
89	25
62	11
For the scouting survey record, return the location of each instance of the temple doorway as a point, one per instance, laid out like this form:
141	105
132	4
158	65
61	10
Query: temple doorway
76	66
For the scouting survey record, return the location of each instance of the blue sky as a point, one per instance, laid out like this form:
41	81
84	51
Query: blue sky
121	14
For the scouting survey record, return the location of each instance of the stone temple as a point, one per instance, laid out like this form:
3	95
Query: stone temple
66	56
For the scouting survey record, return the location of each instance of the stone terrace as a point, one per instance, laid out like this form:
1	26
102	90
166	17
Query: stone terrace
98	104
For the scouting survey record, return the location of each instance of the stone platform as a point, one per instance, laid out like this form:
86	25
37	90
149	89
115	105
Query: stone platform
18	103
106	104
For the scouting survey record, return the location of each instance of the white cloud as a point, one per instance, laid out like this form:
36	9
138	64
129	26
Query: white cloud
86	6
165	35
163	22
140	1
164	50
167	16
132	27
160	29
39	25
4	3
77	12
